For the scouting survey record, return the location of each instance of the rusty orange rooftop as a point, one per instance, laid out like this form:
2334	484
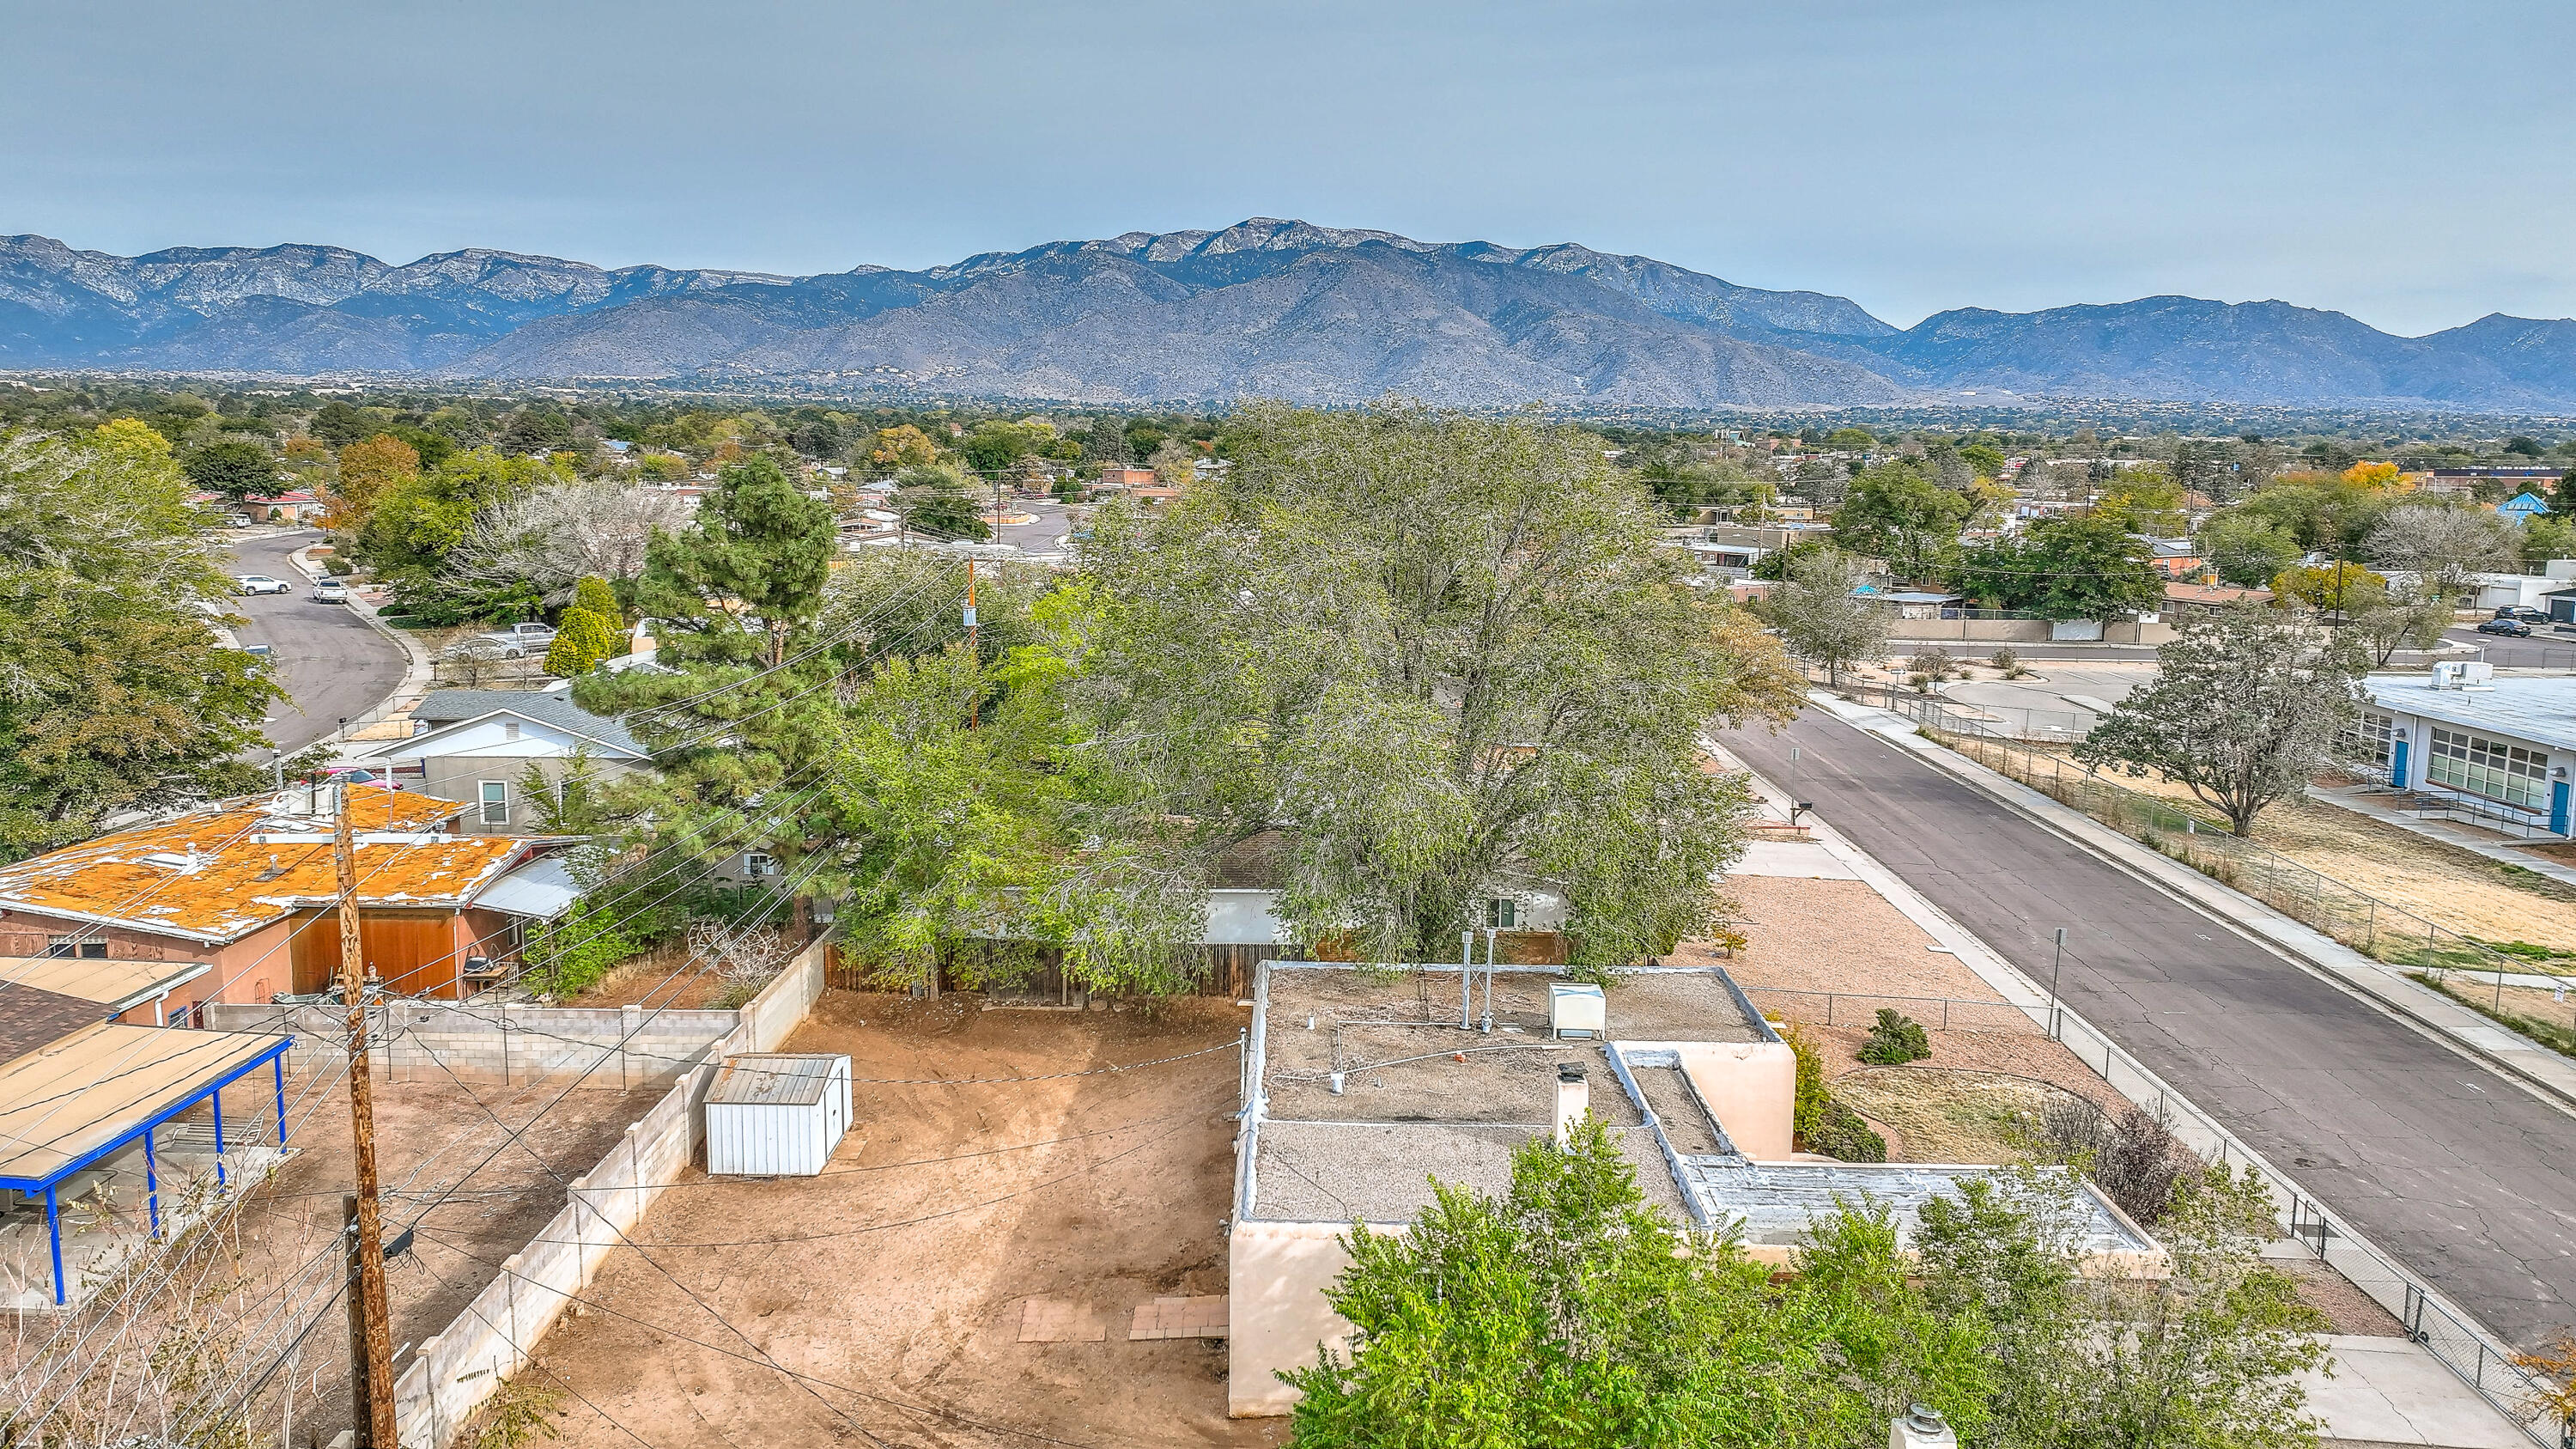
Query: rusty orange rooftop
222	872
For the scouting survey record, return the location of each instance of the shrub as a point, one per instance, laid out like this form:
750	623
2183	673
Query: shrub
338	568
2129	1154
584	639
1825	1125
1935	662
1895	1040
595	594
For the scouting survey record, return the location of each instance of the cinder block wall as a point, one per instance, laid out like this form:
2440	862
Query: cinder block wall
464	1363
614	1048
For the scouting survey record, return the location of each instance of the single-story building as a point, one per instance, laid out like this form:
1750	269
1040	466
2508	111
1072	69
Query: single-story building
2521	508
475	748
2504	746
2175	558
2184	600
1363	1085
249	888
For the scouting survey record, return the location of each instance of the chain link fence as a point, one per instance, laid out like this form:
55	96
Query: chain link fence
1845	1008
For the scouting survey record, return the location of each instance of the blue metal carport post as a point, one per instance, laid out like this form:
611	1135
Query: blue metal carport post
151	1181
277	1071
54	1230
217	1097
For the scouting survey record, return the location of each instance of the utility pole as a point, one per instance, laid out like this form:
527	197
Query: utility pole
372	1345
2054	1034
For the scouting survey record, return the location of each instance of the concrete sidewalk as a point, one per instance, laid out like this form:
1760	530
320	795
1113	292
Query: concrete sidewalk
2369	800
2548	1074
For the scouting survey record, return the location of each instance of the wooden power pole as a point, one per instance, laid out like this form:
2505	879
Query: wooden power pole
373	1375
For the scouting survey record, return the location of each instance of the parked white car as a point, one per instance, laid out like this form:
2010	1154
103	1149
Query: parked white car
261	584
330	591
516	642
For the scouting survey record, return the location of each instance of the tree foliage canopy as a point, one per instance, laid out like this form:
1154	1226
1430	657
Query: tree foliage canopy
1896	514
2083	567
115	692
2242	711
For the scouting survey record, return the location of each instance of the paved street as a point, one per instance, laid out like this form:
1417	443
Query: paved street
332	662
2545	649
2457	1171
2063	702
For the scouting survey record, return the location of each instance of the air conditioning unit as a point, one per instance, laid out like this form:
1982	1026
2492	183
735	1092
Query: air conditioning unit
2462	673
1577	1009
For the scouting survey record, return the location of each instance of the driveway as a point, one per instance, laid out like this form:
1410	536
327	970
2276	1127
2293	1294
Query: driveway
2460	1173
333	663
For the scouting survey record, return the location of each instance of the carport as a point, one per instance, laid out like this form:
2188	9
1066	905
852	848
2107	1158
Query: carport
90	1090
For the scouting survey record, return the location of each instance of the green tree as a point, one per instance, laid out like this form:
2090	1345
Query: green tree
233	467
1897	514
340	424
2330	588
2247	549
936	500
418	521
115	692
744	577
2085	567
1821	619
581	640
1448	651
1987	459
994	445
2244	707
1849	440
599	597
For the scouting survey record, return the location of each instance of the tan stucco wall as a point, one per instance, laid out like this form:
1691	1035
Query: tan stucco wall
1752	1086
1276	1274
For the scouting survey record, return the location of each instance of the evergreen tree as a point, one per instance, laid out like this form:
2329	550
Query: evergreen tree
599	597
581	641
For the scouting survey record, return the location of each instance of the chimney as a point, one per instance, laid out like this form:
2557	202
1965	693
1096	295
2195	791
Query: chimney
1920	1427
1573	1099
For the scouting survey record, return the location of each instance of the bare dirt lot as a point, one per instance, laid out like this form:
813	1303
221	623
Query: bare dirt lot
260	1283
884	1301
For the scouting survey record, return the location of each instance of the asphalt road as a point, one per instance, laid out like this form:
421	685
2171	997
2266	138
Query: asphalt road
2461	1174
2545	649
333	663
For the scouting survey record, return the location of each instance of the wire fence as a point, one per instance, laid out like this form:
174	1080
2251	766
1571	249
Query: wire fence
1845	1008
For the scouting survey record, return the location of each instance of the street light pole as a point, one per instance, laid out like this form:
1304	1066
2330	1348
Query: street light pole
2055	1030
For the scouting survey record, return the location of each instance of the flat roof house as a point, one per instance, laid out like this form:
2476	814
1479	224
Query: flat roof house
1361	1085
2500	747
249	888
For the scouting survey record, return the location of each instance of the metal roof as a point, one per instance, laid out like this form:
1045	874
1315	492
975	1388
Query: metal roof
542	889
774	1079
62	1104
2541	710
114	985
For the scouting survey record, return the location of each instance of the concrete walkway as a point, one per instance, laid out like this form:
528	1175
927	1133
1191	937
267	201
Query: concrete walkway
2393	1391
2373	801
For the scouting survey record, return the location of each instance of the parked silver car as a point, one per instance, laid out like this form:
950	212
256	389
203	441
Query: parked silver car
330	591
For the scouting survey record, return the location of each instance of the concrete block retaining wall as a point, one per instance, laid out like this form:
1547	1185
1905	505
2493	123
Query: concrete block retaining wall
618	1049
465	1362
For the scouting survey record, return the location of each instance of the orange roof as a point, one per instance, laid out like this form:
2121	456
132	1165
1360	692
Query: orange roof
219	873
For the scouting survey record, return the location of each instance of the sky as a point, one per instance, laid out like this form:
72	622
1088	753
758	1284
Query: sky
2406	163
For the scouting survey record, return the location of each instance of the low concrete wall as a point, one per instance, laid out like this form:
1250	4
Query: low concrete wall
1276	1274
1752	1089
464	1363
616	1048
2013	631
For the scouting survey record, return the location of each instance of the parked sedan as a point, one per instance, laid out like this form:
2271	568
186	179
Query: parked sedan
2509	628
330	591
261	584
2524	612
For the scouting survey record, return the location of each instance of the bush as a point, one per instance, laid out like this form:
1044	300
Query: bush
1823	1124
337	567
1936	662
595	594
583	641
1840	1133
1895	1040
2129	1155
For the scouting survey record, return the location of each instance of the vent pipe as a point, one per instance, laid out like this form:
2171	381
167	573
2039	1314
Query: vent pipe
1921	1427
1573	1100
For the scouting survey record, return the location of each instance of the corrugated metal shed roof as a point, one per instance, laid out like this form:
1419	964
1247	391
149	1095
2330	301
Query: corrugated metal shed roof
773	1079
541	890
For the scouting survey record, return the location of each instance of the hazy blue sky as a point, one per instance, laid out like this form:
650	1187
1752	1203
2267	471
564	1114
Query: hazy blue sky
2408	163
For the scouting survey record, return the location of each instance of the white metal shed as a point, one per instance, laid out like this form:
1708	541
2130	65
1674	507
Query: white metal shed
777	1114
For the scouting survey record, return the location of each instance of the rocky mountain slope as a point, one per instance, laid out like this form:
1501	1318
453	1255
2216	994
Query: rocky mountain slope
1266	307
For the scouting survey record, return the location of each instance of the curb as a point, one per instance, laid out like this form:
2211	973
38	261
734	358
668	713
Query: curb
2549	1076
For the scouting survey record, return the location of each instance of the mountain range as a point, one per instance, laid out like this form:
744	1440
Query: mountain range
1262	308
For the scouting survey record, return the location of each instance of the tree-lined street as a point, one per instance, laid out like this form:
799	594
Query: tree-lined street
2452	1167
332	663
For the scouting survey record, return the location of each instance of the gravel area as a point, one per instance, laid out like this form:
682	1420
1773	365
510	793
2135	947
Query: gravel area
2347	1308
1498	1082
1832	935
1382	1172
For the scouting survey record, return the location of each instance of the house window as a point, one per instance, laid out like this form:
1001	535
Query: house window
2493	768
496	802
758	864
74	946
1503	915
2367	739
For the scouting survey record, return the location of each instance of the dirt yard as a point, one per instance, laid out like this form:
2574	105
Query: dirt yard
2458	890
884	1302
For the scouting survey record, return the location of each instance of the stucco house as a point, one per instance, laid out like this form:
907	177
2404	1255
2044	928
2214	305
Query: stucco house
474	748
